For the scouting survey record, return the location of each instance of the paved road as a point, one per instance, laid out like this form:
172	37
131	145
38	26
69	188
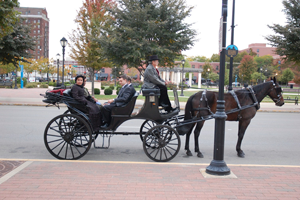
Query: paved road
271	139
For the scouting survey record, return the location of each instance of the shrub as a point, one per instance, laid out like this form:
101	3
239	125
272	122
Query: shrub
24	81
137	83
105	83
102	87
108	91
96	91
118	89
31	85
44	86
170	86
112	87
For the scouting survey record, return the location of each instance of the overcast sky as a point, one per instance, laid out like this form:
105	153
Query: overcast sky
251	18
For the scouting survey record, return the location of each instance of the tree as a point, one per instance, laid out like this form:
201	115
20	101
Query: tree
287	37
257	77
8	17
15	46
148	27
207	69
4	69
287	75
91	19
247	67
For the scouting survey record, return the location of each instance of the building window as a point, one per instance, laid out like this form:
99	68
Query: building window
257	50
39	31
29	21
217	67
39	26
34	31
34	21
193	66
39	21
39	13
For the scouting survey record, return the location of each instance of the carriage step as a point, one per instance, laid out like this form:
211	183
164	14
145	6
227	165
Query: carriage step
105	137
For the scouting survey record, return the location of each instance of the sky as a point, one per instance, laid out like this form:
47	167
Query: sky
251	20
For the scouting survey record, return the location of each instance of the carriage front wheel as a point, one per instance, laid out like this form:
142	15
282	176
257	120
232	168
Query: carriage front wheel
68	137
161	143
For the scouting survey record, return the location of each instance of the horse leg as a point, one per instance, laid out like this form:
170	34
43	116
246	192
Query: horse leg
242	128
187	142
196	137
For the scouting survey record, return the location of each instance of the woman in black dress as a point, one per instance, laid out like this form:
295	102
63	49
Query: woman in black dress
93	110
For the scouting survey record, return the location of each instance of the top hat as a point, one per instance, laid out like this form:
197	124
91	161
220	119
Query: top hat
154	57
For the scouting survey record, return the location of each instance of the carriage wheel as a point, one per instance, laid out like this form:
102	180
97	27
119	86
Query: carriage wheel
68	137
95	135
145	127
161	143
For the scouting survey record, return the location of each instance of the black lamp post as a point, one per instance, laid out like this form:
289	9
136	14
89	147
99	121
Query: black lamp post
260	74
48	74
63	43
232	36
218	165
115	76
57	60
182	62
207	74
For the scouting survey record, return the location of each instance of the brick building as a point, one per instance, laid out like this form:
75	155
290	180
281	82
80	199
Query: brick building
38	19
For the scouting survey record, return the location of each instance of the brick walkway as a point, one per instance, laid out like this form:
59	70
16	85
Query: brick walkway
121	180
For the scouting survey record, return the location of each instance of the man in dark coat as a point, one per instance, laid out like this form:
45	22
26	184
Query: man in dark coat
124	96
153	80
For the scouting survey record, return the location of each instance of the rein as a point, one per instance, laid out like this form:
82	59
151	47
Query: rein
278	90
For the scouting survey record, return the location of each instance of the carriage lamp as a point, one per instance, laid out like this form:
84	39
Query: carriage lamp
182	62
63	43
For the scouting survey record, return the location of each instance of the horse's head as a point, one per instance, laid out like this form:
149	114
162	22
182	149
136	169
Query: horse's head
276	93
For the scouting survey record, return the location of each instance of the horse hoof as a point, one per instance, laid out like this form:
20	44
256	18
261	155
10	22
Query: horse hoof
189	153
241	154
200	155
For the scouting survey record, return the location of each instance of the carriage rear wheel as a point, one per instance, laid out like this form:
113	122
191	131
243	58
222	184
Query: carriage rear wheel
68	137
161	143
145	127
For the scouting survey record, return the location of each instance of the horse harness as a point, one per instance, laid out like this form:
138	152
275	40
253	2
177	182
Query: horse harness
239	107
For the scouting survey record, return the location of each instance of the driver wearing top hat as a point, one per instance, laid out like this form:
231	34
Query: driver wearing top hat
153	80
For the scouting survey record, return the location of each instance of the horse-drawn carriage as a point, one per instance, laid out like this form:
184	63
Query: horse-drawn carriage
70	135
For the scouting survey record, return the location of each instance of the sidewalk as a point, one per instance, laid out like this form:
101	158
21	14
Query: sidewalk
31	97
54	179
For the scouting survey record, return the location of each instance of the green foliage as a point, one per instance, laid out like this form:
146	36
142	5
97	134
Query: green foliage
51	83
112	87
24	81
257	77
44	85
96	91
15	45
102	87
8	16
214	76
108	91
287	75
170	85
207	69
31	85
146	27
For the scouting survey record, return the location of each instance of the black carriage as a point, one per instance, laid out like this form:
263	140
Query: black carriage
70	135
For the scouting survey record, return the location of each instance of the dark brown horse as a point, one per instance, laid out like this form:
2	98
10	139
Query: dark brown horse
240	105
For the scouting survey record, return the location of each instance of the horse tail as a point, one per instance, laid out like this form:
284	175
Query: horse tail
187	115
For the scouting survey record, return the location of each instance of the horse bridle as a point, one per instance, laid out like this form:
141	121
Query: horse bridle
278	92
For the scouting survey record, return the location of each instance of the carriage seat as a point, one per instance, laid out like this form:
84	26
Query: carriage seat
151	92
127	109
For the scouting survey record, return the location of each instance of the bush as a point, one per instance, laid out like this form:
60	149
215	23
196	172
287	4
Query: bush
24	81
137	83
108	91
31	85
96	91
102	87
105	83
44	86
118	89
112	87
52	83
171	86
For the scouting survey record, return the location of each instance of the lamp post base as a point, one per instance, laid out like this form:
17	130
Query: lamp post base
218	167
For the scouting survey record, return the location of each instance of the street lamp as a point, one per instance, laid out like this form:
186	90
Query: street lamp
57	61
182	62
115	76
260	74
207	73
63	43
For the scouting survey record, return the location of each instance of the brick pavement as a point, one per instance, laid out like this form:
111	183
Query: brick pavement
56	179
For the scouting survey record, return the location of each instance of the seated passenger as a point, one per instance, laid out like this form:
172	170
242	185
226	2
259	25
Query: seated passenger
125	94
89	97
153	80
93	110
